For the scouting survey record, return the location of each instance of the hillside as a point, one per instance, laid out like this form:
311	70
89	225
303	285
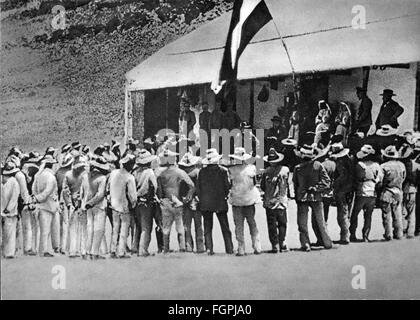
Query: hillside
64	85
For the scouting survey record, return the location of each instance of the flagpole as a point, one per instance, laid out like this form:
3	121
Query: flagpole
288	57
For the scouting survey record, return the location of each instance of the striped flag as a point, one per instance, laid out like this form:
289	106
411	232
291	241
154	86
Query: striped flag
248	17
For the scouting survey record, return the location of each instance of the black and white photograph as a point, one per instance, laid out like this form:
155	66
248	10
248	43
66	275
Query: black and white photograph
210	153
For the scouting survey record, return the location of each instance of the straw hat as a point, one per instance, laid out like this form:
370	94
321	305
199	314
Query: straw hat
100	163
366	150
188	160
65	148
386	130
305	151
273	156
76	145
391	152
240	154
66	161
127	158
82	161
289	142
212	157
9	169
145	157
338	150
48	159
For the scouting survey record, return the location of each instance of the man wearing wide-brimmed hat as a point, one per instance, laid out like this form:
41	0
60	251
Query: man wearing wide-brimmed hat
65	149
71	195
275	184
363	119
392	193
212	191
64	166
9	209
275	135
169	193
342	187
123	199
131	147
310	179
45	194
367	175
190	164
93	190
390	110
146	184
243	197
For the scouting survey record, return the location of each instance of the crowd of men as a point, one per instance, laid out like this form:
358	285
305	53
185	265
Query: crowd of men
59	202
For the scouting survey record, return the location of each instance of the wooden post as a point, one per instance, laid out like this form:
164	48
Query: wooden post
128	115
138	101
417	107
251	103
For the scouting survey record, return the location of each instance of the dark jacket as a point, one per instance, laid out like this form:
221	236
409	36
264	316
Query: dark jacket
364	114
213	188
344	175
389	114
310	174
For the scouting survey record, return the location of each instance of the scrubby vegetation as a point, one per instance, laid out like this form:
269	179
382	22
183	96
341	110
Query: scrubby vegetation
72	81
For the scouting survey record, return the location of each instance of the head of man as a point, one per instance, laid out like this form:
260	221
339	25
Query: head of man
205	106
387	95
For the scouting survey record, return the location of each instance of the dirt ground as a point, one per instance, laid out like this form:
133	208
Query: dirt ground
392	271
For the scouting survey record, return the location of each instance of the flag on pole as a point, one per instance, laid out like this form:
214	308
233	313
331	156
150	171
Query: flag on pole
248	17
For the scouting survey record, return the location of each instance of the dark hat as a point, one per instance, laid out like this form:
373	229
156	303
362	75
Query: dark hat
76	145
388	92
101	163
65	148
337	138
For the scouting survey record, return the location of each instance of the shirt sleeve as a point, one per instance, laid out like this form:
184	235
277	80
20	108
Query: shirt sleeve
100	194
49	189
131	191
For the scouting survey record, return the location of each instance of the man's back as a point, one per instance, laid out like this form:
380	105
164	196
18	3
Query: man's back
169	182
122	190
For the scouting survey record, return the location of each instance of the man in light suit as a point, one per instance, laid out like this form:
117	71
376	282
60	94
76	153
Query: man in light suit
45	194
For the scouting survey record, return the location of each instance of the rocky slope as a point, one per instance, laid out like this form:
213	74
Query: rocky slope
62	85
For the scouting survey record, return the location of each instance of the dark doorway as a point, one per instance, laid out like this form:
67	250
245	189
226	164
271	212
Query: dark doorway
313	90
160	112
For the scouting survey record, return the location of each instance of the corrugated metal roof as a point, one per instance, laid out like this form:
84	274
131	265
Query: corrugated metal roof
318	34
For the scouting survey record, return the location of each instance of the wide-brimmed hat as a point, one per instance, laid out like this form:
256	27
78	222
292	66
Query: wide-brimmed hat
366	150
321	152
410	137
100	163
212	157
245	125
188	160
391	152
167	153
276	118
65	148
305	151
273	156
132	141
76	145
145	157
48	159
14	159
34	157
127	158
386	130
240	154
338	151
66	161
289	142
148	141
388	92
9	168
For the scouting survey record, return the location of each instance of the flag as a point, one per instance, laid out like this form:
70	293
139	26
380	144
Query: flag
248	17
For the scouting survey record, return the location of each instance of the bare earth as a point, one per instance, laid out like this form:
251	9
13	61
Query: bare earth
392	272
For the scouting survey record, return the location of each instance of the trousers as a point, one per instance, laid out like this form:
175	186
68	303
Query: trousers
9	225
95	229
170	214
188	217
121	223
367	204
240	214
409	214
277	226
224	225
